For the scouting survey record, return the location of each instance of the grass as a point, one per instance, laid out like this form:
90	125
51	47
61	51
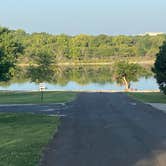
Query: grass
35	97
23	137
151	97
102	61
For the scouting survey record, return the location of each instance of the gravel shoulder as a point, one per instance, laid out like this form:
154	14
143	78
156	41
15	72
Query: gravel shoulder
159	106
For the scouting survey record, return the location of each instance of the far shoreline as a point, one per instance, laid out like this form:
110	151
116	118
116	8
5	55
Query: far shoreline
145	62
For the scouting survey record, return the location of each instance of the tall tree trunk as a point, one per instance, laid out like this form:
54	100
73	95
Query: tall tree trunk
127	84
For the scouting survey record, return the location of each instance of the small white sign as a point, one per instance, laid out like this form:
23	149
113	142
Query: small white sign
42	87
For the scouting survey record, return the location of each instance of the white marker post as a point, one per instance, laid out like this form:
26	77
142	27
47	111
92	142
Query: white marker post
42	88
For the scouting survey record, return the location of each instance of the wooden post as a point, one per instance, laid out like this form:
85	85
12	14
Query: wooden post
42	89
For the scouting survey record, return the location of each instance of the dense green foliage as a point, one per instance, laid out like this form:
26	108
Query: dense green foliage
23	137
125	72
84	47
10	48
160	68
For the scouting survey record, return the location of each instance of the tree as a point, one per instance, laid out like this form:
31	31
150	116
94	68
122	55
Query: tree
125	72
79	46
42	69
160	68
62	46
10	48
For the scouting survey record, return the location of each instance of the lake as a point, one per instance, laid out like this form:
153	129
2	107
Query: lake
75	78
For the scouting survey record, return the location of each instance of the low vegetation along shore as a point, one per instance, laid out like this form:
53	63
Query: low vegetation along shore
96	62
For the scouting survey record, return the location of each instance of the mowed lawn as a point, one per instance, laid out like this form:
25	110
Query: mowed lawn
151	97
35	97
23	137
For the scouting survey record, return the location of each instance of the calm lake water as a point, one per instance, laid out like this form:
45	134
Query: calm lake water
78	78
142	84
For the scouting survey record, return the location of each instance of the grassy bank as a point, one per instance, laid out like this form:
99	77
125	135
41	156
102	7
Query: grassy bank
35	97
152	97
23	137
100	62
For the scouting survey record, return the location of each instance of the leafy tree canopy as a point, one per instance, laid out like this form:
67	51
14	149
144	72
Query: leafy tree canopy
160	68
125	73
83	47
10	49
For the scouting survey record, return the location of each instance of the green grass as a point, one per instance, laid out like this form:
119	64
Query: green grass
151	97
35	97
23	137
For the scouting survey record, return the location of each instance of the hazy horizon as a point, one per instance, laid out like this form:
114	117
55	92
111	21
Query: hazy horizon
84	17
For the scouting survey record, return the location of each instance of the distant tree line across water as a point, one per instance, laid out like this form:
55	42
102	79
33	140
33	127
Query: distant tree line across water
60	48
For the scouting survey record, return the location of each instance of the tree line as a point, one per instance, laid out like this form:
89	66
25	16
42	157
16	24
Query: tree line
60	48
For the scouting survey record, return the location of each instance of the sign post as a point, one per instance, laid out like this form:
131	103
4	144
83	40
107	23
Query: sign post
42	88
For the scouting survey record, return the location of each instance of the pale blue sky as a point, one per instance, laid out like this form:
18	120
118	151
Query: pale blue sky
85	16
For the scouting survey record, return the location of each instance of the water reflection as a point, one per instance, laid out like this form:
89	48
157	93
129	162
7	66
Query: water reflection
80	74
73	78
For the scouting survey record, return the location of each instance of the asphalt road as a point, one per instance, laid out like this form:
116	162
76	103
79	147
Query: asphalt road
111	129
49	109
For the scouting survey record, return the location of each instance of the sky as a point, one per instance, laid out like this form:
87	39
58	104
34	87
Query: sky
72	17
